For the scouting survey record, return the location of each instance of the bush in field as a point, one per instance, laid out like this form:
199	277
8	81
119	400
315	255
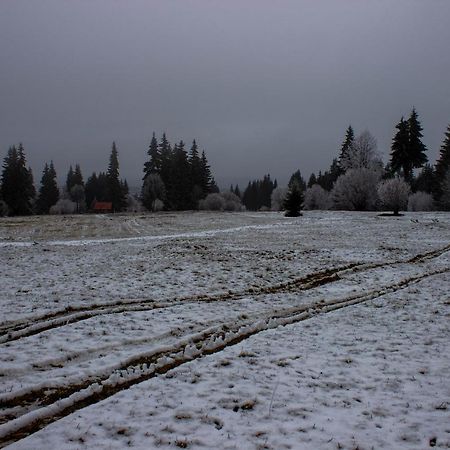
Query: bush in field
420	201
153	189
393	194
226	201
316	197
63	206
213	202
356	190
232	201
277	198
133	204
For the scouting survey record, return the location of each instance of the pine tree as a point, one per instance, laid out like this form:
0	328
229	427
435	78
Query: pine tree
77	176
346	145
205	175
115	191
312	180
425	181
416	147
48	192
154	164
17	183
181	188
401	160
296	177
69	180
196	175
442	164
294	200
237	191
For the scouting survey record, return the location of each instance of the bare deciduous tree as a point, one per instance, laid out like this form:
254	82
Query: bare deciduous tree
362	153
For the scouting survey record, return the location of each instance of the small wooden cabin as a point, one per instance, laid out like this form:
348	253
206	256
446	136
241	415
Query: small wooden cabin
102	207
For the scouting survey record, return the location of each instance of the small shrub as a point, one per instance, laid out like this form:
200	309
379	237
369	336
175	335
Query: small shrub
420	201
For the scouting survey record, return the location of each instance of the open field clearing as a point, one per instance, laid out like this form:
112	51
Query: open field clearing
234	331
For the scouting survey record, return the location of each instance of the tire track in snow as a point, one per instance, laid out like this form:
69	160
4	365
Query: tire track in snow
70	315
48	405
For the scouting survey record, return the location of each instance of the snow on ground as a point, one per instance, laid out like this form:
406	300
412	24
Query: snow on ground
373	375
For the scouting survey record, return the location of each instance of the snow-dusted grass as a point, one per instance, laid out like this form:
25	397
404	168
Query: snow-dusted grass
343	378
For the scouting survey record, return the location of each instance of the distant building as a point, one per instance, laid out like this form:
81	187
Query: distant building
102	207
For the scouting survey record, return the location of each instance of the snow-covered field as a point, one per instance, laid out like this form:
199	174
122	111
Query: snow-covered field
234	331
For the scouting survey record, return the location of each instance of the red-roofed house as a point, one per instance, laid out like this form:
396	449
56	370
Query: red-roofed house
102	207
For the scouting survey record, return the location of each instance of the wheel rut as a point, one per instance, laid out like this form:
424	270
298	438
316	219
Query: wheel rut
29	412
70	315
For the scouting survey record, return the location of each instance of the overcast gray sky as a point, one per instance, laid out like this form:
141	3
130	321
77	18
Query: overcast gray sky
263	85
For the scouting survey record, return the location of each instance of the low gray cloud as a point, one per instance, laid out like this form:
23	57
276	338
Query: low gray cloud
264	86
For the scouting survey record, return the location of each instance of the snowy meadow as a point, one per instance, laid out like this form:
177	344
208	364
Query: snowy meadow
225	330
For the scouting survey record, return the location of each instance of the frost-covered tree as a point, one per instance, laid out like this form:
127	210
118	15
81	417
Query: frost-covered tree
277	198
420	201
316	197
152	190
362	153
356	190
393	194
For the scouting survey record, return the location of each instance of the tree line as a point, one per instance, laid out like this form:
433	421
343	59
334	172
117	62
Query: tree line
177	179
173	180
358	180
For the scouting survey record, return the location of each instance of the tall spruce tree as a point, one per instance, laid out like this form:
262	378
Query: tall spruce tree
48	192
69	179
115	188
346	145
442	164
196	175
181	188
294	200
154	163
401	160
17	183
417	148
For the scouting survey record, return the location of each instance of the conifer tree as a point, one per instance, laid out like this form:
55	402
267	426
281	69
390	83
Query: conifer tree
115	189
401	160
17	183
417	148
346	145
69	179
77	178
205	175
312	180
181	188
425	181
442	164
154	164
48	192
294	200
